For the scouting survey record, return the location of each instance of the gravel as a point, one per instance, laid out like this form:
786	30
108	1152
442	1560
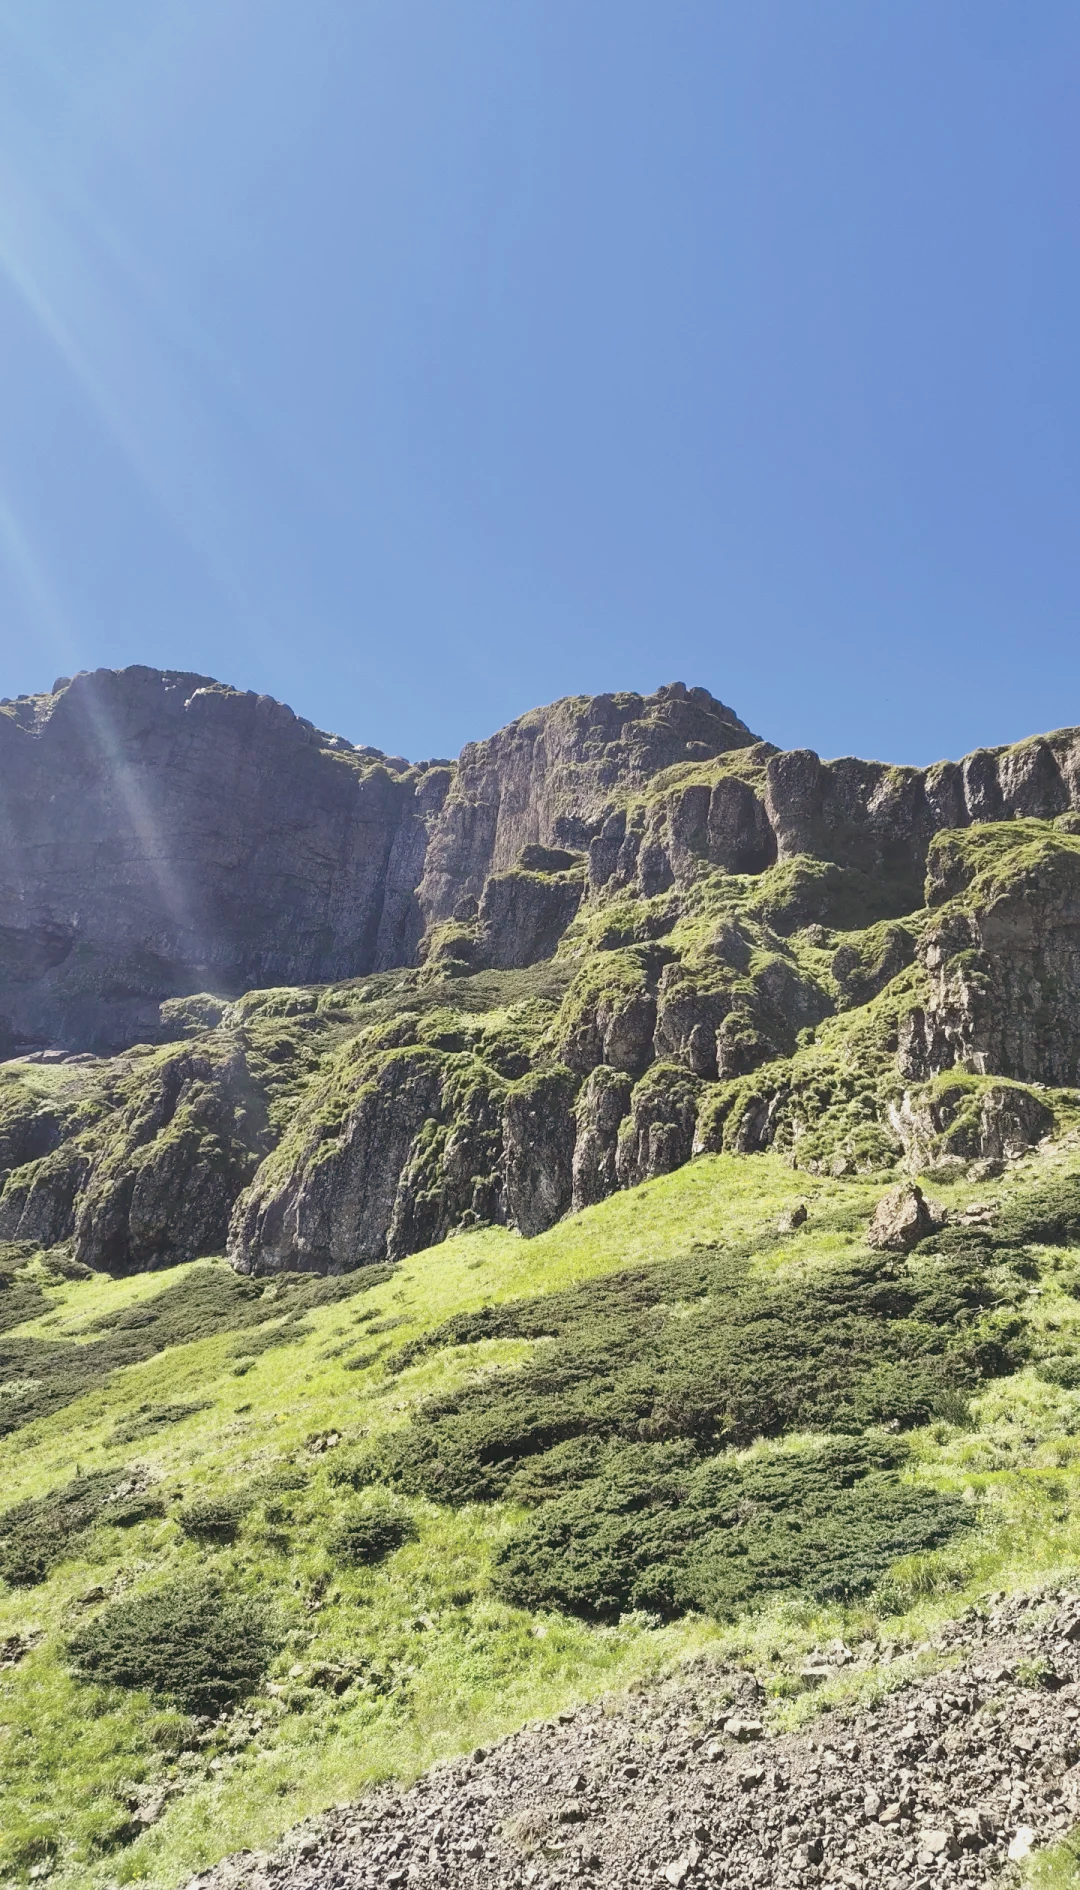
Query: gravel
940	1781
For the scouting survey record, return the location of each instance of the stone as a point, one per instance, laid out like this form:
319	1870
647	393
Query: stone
938	1843
678	1871
901	1219
816	1675
523	914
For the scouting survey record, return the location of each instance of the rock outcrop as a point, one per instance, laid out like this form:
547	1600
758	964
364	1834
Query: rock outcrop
164	834
1003	960
953	1121
151	1165
332	1205
553	777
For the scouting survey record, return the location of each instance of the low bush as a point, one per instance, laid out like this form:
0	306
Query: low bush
621	1430
698	1350
202	1299
364	1537
150	1418
1046	1215
214	1518
1062	1369
657	1528
20	1299
39	1533
190	1642
123	1512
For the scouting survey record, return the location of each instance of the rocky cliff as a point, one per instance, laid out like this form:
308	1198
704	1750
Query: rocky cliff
162	834
622	931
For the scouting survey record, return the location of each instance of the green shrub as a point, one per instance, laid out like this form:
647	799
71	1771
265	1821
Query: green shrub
1047	1215
698	1350
1063	1370
658	1529
366	1536
153	1417
37	1534
124	1511
190	1642
214	1518
620	1432
20	1299
202	1299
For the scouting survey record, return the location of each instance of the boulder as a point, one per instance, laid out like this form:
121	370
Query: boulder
902	1218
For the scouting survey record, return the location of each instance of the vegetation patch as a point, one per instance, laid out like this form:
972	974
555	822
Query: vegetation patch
151	1418
698	1351
1046	1214
214	1518
654	1527
364	1537
38	1376
37	1534
621	1430
191	1642
41	1532
20	1299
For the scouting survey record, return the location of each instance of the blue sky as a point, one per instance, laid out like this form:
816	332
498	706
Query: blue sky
418	361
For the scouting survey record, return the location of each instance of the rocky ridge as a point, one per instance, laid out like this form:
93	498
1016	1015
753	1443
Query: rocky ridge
621	932
164	833
945	1777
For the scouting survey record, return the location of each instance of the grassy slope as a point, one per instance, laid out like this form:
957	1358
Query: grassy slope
441	1664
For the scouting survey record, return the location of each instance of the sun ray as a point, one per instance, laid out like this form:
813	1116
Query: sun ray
45	608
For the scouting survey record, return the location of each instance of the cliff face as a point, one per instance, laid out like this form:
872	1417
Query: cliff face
553	777
161	834
622	931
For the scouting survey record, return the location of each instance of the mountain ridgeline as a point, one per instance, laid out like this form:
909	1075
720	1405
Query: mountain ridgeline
265	990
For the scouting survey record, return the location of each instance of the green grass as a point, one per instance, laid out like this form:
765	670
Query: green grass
383	1666
1057	1868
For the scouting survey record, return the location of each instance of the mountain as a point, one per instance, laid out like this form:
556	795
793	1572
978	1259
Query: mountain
390	1000
164	834
476	1237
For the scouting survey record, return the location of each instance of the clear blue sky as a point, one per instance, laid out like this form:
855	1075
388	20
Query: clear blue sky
418	361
